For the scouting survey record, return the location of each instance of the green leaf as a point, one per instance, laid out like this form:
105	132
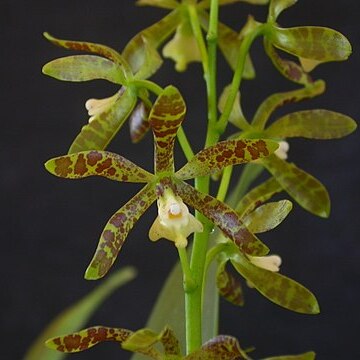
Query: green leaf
226	153
116	231
312	42
97	134
84	68
229	286
139	123
276	287
102	50
312	124
165	118
258	196
136	53
278	6
273	102
75	317
224	217
307	191
268	216
289	69
166	4
221	347
306	356
97	163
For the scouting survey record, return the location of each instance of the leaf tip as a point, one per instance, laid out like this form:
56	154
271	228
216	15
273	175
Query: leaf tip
92	273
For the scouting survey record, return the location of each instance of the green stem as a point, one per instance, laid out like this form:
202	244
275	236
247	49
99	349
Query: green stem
224	184
184	143
236	81
189	282
150	85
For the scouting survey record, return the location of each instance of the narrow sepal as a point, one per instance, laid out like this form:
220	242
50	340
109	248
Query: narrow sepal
278	6
97	163
306	356
87	338
84	68
97	134
268	216
273	102
139	123
165	119
222	347
288	68
312	42
226	153
228	285
94	48
116	231
307	191
312	124
258	196
276	287
224	217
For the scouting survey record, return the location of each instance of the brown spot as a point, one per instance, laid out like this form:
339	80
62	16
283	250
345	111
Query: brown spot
93	157
80	166
104	165
72	342
62	166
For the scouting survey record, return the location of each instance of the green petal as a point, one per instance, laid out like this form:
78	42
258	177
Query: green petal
258	196
139	123
221	347
116	231
312	124
268	216
97	163
307	191
312	42
273	102
87	338
278	6
102	50
97	134
289	69
74	318
226	153
152	37
84	68
165	119
229	286
306	356
165	4
224	217
276	287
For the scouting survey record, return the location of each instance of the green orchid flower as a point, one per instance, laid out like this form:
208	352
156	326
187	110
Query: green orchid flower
321	124
168	187
106	116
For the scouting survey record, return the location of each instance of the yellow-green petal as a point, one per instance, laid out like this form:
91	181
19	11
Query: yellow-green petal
97	134
307	191
278	6
97	163
226	153
116	231
276	287
267	217
312	124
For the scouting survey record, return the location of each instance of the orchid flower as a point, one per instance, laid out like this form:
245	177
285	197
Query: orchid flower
168	187
109	114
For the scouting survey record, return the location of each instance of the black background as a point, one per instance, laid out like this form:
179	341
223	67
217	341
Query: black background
50	227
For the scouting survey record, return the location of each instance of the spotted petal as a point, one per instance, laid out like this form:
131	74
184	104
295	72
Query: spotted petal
268	216
97	163
97	134
165	119
221	347
278	6
224	217
116	231
307	191
311	42
273	102
139	123
312	124
306	356
226	153
84	68
102	50
276	287
228	285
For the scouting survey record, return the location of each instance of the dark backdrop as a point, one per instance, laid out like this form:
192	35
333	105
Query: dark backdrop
50	227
